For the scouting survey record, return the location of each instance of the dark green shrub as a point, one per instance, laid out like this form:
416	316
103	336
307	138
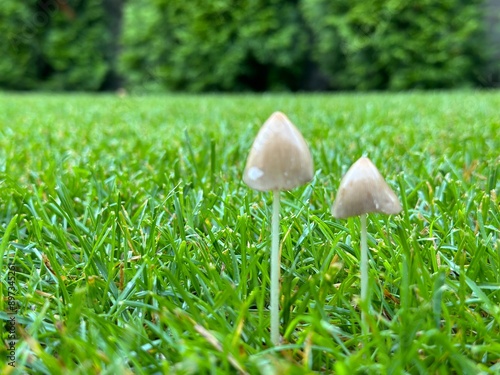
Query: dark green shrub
51	44
490	77
239	45
396	44
19	46
74	48
223	45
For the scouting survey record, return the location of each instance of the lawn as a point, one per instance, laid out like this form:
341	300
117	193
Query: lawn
129	243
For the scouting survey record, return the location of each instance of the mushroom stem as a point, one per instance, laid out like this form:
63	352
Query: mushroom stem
364	276
275	269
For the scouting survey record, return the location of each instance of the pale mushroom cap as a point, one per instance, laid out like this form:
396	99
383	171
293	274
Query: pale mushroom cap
280	158
364	190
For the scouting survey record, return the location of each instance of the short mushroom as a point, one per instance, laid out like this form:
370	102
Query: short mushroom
363	190
279	160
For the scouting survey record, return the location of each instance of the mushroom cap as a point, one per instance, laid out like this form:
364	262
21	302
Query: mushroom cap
364	190
279	158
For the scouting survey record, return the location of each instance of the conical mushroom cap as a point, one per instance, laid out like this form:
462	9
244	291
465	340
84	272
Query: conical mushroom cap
279	158
364	190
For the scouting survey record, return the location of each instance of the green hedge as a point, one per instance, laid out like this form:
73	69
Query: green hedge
357	44
18	48
396	44
74	47
222	45
241	45
53	45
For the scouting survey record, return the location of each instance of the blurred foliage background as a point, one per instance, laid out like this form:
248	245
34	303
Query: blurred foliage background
249	45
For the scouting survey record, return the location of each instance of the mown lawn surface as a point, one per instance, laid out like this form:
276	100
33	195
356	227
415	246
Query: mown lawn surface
137	248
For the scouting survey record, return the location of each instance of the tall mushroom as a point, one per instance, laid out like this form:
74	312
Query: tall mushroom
361	191
279	160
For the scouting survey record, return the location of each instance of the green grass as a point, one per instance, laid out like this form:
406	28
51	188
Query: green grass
138	249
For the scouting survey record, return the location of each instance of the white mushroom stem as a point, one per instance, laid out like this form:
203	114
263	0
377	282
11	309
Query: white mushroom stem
275	269
364	276
361	191
279	160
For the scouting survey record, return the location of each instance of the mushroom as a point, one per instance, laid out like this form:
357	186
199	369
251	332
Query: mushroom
279	160
363	190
